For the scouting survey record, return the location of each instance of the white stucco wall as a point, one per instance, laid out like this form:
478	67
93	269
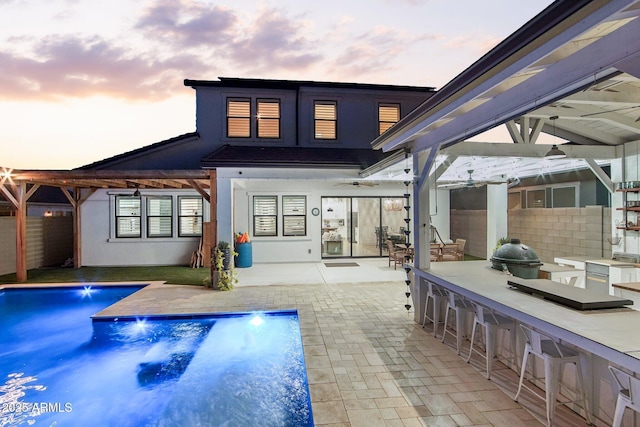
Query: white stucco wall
296	249
101	248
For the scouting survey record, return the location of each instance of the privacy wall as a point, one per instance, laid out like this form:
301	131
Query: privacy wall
49	242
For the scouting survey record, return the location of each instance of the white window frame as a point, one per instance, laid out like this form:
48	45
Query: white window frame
160	216
294	210
197	217
264	218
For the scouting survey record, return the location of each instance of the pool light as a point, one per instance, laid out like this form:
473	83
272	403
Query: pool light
256	321
87	291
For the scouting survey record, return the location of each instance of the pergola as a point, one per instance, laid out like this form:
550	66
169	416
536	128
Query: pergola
17	186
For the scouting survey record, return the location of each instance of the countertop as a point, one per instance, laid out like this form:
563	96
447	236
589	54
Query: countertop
611	333
631	286
602	261
611	262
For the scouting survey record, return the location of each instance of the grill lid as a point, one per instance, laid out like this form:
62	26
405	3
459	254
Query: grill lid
515	253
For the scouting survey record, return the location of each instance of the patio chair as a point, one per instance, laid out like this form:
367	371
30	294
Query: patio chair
396	254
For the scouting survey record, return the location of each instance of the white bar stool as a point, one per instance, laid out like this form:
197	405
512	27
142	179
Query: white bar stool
437	296
462	307
628	396
492	323
554	355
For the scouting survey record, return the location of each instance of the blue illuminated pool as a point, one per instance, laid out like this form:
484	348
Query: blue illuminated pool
58	367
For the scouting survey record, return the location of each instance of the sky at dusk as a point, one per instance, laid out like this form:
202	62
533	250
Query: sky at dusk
81	81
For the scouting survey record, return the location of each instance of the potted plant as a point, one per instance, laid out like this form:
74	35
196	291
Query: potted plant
223	274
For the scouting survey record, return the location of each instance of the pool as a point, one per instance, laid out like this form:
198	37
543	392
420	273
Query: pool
59	367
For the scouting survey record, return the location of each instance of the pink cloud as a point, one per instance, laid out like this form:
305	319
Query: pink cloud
69	66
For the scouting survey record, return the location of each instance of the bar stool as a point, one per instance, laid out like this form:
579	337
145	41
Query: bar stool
492	323
462	308
627	396
554	356
437	296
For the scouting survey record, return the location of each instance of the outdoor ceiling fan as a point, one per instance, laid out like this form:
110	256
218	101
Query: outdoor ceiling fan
469	183
358	184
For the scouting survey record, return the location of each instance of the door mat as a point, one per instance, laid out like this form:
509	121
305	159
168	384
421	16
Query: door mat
341	264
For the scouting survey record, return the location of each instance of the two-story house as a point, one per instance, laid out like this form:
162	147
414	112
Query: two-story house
288	157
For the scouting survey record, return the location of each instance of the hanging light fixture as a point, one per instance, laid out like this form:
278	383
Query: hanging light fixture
137	192
555	152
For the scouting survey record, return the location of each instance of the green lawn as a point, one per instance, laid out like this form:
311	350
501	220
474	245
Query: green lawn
174	275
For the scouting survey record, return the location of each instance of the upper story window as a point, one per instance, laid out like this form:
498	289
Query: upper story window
268	118
388	115
239	118
325	119
128	216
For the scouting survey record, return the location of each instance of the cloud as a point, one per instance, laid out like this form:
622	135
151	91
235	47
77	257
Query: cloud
274	42
72	66
373	53
188	24
478	44
176	39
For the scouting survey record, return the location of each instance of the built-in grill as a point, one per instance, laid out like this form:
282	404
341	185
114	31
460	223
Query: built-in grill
519	259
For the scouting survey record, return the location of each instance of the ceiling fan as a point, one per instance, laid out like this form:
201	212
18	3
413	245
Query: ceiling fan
358	184
469	183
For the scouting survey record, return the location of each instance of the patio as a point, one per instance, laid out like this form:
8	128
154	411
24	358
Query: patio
368	363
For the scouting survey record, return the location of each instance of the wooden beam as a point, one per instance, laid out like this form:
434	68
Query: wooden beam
199	189
21	233
77	229
8	194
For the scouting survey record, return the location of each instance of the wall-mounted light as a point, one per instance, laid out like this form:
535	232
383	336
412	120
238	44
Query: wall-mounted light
137	192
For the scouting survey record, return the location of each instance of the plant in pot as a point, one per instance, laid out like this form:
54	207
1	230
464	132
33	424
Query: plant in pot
223	274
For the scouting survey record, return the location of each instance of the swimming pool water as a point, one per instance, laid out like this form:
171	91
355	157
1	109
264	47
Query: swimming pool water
60	368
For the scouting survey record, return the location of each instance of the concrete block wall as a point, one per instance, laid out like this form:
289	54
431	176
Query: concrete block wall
550	232
472	226
563	231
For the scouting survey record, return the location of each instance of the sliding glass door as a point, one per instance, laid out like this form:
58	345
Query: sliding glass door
361	226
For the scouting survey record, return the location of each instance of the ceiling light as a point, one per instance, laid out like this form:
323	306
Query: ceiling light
555	153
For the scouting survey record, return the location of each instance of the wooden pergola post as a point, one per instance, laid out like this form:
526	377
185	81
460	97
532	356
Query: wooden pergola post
21	232
213	207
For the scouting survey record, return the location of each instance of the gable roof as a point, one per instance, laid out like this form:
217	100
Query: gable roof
296	84
293	157
112	162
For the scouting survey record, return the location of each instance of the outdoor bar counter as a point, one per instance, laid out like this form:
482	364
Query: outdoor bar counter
606	335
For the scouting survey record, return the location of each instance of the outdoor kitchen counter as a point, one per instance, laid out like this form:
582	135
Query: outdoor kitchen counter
611	334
